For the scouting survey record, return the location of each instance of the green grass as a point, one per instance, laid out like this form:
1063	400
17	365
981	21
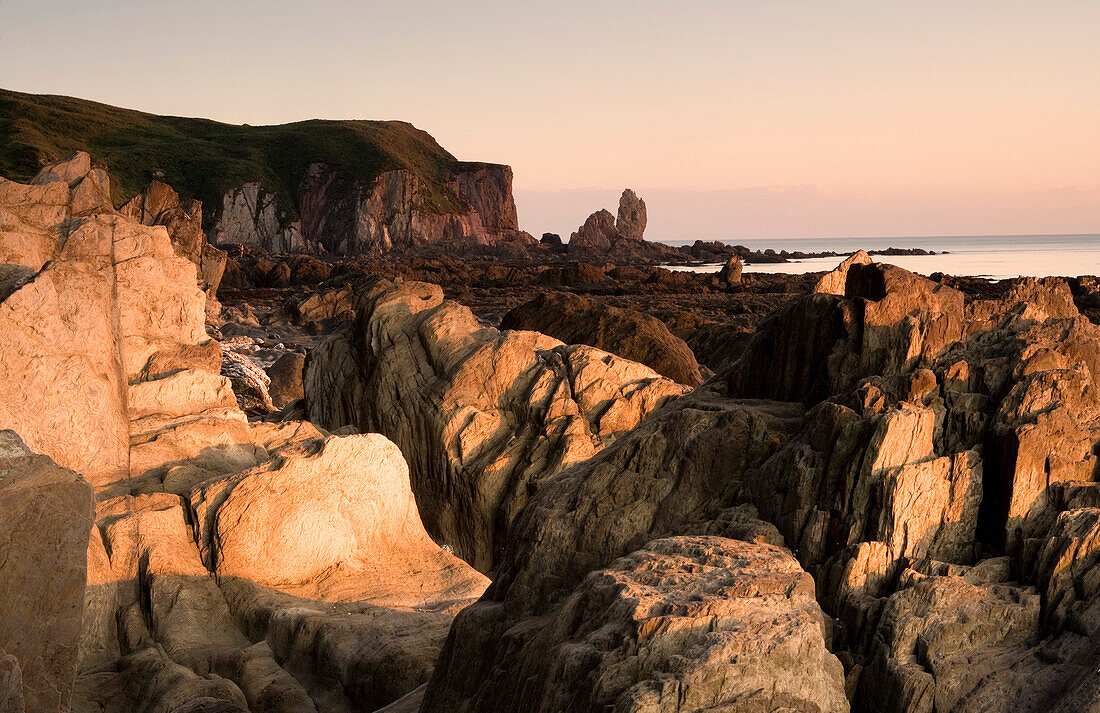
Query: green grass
202	158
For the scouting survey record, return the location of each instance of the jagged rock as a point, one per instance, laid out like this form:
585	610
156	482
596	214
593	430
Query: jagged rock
684	624
286	379
937	437
603	236
250	383
731	271
939	641
835	282
45	516
482	416
625	332
319	556
631	219
251	215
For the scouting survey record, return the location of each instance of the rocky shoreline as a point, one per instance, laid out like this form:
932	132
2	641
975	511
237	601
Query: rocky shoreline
244	481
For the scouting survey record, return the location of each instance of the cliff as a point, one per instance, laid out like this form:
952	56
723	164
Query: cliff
346	187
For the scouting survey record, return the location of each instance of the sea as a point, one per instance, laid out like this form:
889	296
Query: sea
995	257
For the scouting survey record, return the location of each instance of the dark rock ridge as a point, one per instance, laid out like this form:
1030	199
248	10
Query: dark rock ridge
626	332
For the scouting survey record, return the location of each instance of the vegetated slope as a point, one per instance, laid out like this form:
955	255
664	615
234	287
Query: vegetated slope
202	158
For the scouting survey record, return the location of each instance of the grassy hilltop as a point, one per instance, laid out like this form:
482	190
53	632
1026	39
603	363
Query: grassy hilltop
202	158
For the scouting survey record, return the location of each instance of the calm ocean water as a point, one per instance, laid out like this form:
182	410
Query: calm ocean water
993	256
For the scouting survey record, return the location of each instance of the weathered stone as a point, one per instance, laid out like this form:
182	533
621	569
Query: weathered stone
482	416
45	516
631	219
684	624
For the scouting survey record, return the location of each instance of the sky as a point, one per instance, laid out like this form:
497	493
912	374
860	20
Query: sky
732	119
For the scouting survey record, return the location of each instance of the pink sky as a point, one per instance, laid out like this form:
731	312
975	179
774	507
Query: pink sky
732	118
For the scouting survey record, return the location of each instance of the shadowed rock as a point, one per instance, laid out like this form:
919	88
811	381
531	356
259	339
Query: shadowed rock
625	332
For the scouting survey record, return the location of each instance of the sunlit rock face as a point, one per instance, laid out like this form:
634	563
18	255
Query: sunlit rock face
927	459
159	204
483	416
231	565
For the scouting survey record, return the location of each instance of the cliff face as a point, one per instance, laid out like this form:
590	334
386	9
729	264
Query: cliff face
346	187
346	216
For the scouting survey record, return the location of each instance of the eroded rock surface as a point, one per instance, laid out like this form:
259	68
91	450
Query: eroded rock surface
483	416
682	624
929	461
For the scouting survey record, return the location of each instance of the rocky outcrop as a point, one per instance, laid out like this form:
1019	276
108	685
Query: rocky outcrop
232	566
915	451
631	219
731	271
483	416
395	211
45	516
252	216
286	379
605	236
158	204
625	332
250	383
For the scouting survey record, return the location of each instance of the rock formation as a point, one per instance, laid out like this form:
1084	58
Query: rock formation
929	461
624	332
483	416
45	516
231	566
605	236
682	624
731	271
631	219
343	216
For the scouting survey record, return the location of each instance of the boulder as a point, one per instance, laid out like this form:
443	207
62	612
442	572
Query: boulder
683	624
45	517
730	273
624	332
331	520
250	383
286	379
